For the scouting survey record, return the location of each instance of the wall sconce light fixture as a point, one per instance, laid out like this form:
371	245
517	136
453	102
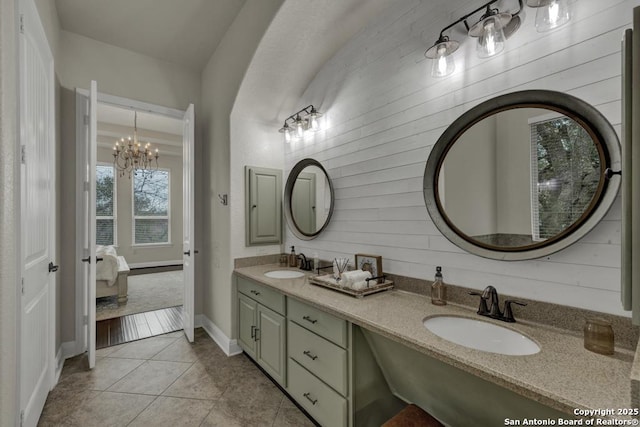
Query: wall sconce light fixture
492	30
302	121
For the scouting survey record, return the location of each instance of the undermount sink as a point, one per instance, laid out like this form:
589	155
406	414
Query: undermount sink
480	335
284	274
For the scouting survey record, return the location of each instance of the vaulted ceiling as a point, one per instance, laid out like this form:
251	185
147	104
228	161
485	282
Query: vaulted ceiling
184	32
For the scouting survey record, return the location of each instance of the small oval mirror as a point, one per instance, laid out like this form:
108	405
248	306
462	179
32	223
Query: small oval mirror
522	175
309	199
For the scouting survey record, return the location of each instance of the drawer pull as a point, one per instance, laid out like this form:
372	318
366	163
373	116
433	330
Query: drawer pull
309	319
256	337
310	399
309	355
254	292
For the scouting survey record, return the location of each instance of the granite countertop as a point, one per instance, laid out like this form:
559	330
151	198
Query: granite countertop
563	375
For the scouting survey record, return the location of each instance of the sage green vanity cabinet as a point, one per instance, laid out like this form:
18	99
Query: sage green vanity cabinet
262	327
263	206
318	363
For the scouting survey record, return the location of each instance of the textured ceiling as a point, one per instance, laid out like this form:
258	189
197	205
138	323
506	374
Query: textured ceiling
184	32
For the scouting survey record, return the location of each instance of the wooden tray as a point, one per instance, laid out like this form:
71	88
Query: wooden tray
327	281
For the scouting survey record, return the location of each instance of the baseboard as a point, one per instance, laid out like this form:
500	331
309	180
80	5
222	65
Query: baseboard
229	346
155	264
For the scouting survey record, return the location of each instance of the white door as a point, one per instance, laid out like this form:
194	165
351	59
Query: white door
37	130
87	236
188	221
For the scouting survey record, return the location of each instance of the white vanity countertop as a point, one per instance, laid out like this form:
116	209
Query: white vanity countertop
563	375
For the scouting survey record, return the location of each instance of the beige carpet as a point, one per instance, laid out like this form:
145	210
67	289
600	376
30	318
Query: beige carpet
146	292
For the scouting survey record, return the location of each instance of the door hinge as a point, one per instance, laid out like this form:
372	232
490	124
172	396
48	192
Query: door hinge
23	154
21	418
86	120
85	320
21	24
22	285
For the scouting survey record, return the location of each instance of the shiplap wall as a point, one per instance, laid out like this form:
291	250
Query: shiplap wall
384	113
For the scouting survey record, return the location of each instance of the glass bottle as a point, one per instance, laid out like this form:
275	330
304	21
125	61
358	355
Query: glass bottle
437	289
598	336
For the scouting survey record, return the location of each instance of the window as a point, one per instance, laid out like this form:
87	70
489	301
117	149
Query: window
151	193
565	172
105	205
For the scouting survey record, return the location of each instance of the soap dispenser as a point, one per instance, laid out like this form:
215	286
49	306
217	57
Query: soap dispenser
293	259
437	289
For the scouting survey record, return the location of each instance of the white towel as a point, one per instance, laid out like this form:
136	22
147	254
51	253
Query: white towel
350	278
107	269
359	285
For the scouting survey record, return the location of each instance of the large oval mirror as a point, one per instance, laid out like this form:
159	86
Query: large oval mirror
522	175
308	199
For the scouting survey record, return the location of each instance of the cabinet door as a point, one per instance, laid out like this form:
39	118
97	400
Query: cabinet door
247	309
263	212
271	338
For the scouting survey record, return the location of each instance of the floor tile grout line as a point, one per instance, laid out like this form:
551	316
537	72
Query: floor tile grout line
143	409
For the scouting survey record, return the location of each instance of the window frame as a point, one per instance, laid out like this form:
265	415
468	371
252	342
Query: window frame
114	204
134	217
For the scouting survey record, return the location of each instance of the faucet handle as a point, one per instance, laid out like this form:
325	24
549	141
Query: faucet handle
508	313
483	310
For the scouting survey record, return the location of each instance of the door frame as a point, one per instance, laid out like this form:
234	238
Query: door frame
121	102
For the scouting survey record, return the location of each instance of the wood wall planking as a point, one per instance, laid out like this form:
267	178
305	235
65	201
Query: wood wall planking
384	113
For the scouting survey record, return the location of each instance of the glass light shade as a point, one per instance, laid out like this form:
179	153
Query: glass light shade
287	135
443	64
286	132
299	127
552	15
491	40
314	121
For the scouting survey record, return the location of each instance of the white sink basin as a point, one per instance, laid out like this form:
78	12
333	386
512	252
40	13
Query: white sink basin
481	335
284	274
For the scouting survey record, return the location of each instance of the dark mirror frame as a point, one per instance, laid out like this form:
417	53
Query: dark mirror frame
596	125
288	191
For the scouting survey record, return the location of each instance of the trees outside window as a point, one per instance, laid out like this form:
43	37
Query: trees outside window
151	213
105	205
565	174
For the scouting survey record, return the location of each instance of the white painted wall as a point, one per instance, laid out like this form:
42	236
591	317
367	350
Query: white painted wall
471	199
10	214
125	73
385	113
221	80
514	176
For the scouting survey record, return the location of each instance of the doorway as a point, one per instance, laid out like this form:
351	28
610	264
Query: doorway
139	220
141	215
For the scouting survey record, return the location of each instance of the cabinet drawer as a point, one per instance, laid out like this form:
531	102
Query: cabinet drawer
322	358
325	405
268	297
323	324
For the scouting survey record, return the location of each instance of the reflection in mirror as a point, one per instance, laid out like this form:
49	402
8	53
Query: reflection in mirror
530	175
522	175
308	199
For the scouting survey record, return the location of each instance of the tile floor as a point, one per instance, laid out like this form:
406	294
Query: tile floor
166	381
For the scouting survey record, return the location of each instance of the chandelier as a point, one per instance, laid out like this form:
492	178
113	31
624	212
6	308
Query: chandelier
130	155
